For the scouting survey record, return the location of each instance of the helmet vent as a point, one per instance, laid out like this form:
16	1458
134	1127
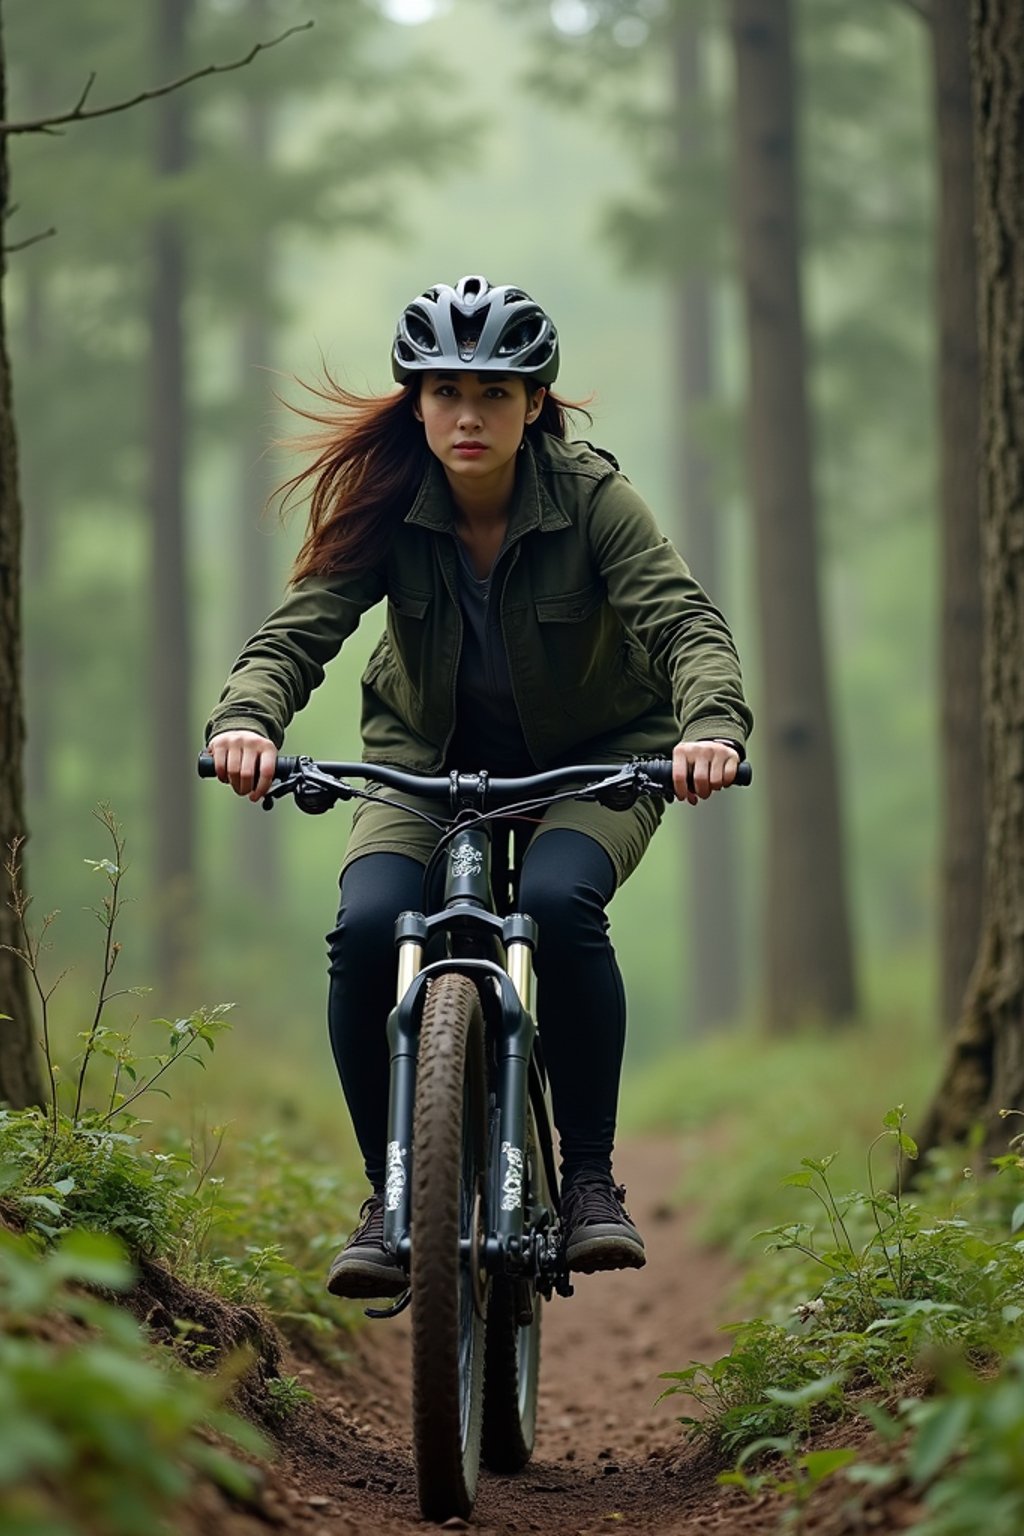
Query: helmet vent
476	325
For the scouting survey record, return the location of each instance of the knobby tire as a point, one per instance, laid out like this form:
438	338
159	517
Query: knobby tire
448	1335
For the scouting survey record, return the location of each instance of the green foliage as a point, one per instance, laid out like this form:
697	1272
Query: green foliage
874	1285
963	1450
763	1387
286	1394
803	1472
85	1162
869	1287
97	1431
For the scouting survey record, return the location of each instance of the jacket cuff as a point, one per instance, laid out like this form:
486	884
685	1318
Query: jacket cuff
718	728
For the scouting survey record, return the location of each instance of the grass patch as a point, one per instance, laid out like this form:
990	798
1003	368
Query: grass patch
874	1287
769	1099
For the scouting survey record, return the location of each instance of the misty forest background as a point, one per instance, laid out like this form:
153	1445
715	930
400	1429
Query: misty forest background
212	249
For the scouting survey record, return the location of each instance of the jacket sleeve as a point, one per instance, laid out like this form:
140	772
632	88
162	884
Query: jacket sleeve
285	660
685	636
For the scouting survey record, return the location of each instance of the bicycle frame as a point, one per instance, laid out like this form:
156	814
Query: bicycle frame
506	997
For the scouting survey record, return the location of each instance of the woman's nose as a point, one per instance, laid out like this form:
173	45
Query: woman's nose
469	415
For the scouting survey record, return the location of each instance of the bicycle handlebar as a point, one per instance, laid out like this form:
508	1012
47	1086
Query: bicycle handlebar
656	769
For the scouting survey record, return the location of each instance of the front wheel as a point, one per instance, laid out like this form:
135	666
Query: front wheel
449	1288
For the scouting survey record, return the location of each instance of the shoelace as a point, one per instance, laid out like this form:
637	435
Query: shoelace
371	1227
591	1197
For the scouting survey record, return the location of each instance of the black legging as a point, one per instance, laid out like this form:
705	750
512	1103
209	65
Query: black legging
567	880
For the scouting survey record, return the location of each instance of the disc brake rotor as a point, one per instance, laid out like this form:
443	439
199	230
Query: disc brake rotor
478	1272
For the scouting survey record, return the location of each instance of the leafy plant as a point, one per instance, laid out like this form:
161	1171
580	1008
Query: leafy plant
98	1431
286	1394
891	1280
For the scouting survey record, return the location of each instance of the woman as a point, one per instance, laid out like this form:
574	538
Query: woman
536	617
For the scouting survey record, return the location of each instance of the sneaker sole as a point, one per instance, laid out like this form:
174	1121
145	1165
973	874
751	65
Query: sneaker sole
597	1253
360	1279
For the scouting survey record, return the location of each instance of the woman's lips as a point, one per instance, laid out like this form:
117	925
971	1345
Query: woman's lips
470	450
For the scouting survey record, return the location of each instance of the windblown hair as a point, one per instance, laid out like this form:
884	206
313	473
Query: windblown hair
369	458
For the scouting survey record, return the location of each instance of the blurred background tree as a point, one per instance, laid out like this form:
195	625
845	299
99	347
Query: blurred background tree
186	263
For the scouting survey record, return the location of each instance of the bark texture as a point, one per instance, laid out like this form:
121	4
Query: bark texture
808	969
714	972
985	1070
21	1080
963	831
171	654
257	844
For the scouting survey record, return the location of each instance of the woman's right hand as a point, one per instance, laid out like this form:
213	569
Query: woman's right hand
245	760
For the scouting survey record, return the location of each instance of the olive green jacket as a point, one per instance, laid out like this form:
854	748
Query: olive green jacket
612	646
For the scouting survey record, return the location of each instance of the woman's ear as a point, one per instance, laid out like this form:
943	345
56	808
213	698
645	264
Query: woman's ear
534	404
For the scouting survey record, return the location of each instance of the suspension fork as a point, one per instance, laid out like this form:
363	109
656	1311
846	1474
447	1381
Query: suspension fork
506	997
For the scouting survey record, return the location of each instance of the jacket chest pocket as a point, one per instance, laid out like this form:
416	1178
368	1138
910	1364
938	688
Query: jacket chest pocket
575	629
408	633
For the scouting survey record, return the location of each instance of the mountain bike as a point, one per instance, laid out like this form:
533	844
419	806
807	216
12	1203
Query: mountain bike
471	1188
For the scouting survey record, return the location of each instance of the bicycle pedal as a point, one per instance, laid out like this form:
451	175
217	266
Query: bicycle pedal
397	1306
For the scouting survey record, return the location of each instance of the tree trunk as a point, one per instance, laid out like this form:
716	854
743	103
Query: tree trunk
21	1081
173	733
714	971
257	845
808	953
963	831
39	660
985	1071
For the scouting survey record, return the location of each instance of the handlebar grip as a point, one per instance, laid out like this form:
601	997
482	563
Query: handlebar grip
660	770
283	769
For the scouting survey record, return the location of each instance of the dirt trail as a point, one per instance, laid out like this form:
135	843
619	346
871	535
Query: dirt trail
606	1457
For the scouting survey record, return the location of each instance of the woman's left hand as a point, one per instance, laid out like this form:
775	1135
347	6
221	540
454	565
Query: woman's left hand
711	765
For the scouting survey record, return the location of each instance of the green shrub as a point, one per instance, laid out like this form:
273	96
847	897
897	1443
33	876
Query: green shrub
97	1430
262	1237
868	1287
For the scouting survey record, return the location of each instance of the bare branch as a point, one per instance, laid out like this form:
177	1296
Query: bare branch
79	114
23	245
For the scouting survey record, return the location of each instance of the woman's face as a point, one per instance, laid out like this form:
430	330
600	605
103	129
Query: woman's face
474	422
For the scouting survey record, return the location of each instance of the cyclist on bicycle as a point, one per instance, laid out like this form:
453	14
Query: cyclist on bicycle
536	617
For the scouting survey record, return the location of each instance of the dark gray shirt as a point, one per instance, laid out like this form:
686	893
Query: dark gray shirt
488	733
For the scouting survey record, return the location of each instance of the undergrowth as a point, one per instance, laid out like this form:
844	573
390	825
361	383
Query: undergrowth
875	1286
100	1428
89	1159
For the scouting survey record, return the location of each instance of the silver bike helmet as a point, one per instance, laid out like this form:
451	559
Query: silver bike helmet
475	327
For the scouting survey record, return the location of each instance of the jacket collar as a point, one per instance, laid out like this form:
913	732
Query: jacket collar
532	506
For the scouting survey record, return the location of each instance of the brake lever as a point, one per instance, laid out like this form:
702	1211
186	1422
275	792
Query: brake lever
618	793
314	792
276	791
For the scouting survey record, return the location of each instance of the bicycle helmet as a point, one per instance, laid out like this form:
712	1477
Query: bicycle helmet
475	327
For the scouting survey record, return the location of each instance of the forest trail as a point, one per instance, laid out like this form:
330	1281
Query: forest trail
606	1458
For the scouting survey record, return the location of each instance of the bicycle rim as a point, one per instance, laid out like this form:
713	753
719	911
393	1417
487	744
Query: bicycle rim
448	1328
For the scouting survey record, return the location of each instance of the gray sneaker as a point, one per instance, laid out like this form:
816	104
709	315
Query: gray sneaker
599	1233
364	1267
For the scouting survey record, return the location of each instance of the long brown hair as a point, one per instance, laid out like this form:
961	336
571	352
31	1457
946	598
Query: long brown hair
369	458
